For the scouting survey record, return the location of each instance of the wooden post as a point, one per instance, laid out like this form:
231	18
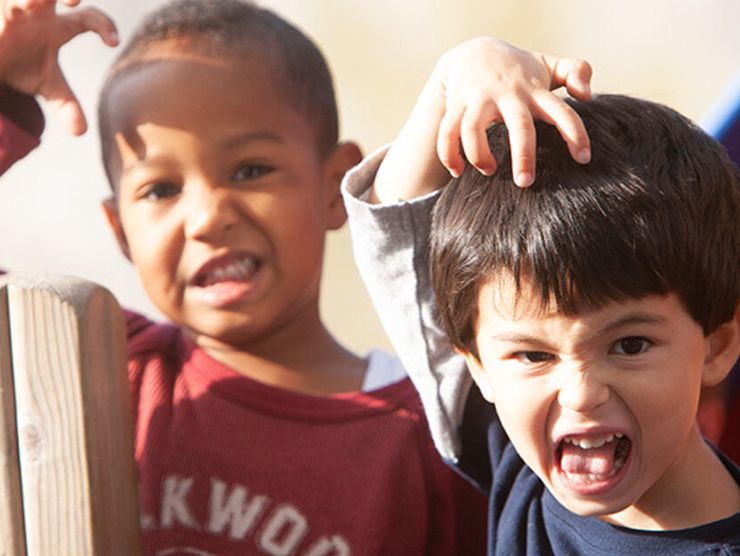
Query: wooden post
73	419
12	533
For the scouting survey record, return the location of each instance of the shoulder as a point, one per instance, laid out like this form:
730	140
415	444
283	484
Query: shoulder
151	345
146	335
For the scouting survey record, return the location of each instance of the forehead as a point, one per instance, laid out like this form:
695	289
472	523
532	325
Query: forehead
182	86
208	98
501	295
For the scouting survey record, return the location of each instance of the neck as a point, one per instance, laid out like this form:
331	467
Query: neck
301	356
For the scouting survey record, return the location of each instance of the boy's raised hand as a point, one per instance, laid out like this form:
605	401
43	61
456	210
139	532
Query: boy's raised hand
474	85
31	34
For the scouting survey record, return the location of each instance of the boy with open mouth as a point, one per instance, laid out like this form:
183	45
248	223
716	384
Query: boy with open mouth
589	309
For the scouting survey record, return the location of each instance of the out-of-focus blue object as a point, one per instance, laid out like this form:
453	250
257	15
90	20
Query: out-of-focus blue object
723	122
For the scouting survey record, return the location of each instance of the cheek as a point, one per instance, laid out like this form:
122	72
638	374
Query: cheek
669	386
675	394
525	424
524	408
151	236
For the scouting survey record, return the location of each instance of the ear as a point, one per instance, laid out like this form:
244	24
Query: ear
114	221
343	157
479	374
722	350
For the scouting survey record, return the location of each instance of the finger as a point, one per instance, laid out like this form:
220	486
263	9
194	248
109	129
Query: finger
572	73
64	104
522	140
578	80
17	8
475	121
70	3
89	19
554	110
448	141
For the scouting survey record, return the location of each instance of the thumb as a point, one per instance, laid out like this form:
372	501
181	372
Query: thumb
572	73
63	103
89	20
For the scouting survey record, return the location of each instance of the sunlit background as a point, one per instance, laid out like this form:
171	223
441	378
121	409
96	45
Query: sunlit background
684	53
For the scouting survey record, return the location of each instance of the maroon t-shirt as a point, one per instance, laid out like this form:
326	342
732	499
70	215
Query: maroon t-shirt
229	465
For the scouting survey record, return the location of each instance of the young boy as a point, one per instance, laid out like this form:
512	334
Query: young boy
255	431
590	310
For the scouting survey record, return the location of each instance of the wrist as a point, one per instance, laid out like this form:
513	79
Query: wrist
21	109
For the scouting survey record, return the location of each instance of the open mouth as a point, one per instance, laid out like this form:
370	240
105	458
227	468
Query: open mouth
240	269
591	459
229	279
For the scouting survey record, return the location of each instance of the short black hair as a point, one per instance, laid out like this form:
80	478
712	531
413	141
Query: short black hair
211	27
657	211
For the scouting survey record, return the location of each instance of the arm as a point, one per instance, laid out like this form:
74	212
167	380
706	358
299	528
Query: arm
472	86
31	34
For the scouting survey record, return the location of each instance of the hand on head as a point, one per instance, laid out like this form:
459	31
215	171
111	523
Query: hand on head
474	85
31	34
484	81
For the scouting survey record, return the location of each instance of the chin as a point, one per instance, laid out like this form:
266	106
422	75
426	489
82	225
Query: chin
585	507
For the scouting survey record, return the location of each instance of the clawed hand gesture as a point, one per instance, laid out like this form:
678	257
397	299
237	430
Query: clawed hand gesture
31	34
486	80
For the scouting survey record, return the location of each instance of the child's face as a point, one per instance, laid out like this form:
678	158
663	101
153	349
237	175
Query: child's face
222	198
601	405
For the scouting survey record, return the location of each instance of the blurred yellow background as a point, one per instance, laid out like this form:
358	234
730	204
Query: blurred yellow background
683	53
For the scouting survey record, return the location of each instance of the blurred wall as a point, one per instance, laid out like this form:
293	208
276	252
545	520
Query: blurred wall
682	53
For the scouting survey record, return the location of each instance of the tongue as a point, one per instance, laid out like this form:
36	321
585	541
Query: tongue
596	461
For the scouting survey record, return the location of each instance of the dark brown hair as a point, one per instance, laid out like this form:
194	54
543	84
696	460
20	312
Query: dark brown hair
657	211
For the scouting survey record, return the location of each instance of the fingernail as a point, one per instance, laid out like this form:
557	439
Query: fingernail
584	156
524	179
486	170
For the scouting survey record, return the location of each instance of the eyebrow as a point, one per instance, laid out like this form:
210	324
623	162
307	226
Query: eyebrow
630	319
227	143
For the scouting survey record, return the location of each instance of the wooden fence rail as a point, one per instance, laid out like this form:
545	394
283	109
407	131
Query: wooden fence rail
68	484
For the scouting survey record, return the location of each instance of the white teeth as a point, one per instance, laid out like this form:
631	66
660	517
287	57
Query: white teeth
238	270
593	442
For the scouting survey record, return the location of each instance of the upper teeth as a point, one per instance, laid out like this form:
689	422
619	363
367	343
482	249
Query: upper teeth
593	442
237	270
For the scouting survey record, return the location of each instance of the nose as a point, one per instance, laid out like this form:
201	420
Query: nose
582	390
211	213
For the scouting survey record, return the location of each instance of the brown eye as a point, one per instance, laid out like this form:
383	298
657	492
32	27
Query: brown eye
632	345
533	357
160	190
251	172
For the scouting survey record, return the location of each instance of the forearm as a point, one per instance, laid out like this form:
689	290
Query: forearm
390	244
411	167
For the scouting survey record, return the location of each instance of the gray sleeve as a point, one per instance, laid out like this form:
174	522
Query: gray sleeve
390	244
